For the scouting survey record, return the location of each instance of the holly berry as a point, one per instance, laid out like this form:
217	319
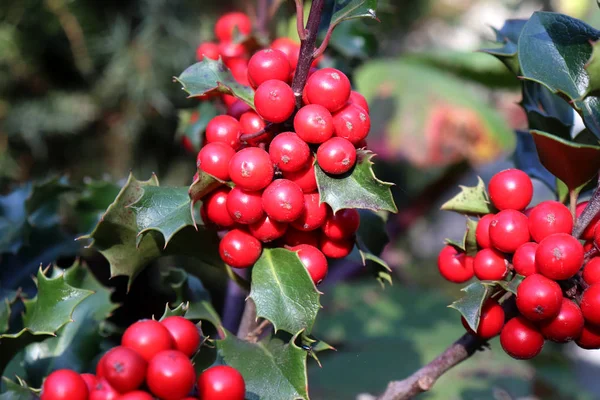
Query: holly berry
215	208
90	381
103	391
589	338
566	326
243	206
214	159
221	383
559	256
283	200
64	384
288	152
147	337
482	232
510	189
336	248
290	48
185	334
251	122
313	260
239	107
359	100
208	50
591	271
224	129
268	64
336	156
251	169
524	259
274	101
491	320
239	249
489	265
136	395
267	229
509	230
454	266
294	237
343	224
549	217
590	304
124	369
539	298
170	375
305	178
314	214
232	22
521	339
328	87
588	232
352	122
314	124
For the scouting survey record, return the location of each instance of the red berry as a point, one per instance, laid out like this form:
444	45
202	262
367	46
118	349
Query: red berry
100	368
267	229
314	214
294	237
589	338
305	178
103	391
510	189
539	298
288	152
288	47
549	217
524	259
244	207
352	123
239	249
215	208
343	224
137	395
64	384
209	50
214	159
588	232
454	266
328	87
232	22
590	304
237	109
509	230
359	100
221	383
283	200
314	261
521	339
228	99
147	337
124	369
185	334
268	64
274	101
171	375
491	320
482	233
224	129
591	271
489	265
566	326
251	122
336	156
559	256
251	169
336	248
313	124
90	381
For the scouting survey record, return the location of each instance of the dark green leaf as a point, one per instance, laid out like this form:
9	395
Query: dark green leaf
210	76
358	188
352	39
371	238
202	185
6	310
526	159
283	291
272	370
192	123
382	270
470	304
470	239
512	285
471	200
593	69
178	311
508	37
546	111
349	9
14	391
94	198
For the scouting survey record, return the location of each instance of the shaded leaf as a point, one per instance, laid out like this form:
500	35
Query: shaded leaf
93	199
6	310
178	311
526	159
508	37
512	285
15	391
192	123
371	238
470	304
547	111
593	69
350	9
202	185
471	200
470	239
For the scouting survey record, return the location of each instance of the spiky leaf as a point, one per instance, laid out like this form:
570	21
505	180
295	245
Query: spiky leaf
15	391
6	310
512	285
470	304
202	185
472	200
508	37
350	9
470	239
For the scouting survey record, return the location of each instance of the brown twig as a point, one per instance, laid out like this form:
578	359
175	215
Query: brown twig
300	19
318	52
255	334
249	136
248	323
589	213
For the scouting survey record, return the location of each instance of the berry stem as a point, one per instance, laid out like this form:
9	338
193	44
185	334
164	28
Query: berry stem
318	52
248	323
300	19
249	136
573	194
255	334
589	213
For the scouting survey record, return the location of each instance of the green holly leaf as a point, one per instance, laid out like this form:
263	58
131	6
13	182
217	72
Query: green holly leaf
472	200
6	310
350	9
358	188
593	69
192	123
45	314
178	311
16	391
87	208
272	369
470	304
508	37
470	239
202	185
283	291
210	76
512	285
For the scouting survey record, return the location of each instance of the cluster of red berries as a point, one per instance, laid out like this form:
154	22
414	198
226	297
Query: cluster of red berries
537	244
153	362
268	155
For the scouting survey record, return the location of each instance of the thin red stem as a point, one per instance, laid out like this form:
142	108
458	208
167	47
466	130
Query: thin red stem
318	52
300	19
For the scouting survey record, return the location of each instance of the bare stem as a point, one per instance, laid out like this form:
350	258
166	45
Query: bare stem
255	334
300	19
248	322
262	12
249	136
589	213
318	52
573	204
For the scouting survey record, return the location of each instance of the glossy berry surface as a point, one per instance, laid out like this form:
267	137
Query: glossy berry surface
359	100
288	152
524	259
588	232
274	101
251	122
251	169
243	206
489	265
314	214
589	338
590	304
239	249
90	381
336	156
591	271
221	383
124	369
328	87
549	217
305	178
64	384
566	326
266	229
214	159
559	256
491	320
268	64
454	266
231	22
336	248
539	298
510	189
521	339
136	395
294	237
482	232
185	334
290	48
314	124
215	208
103	391
351	122
313	260
283	200
509	230
343	224
170	375
224	129
147	337
208	50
